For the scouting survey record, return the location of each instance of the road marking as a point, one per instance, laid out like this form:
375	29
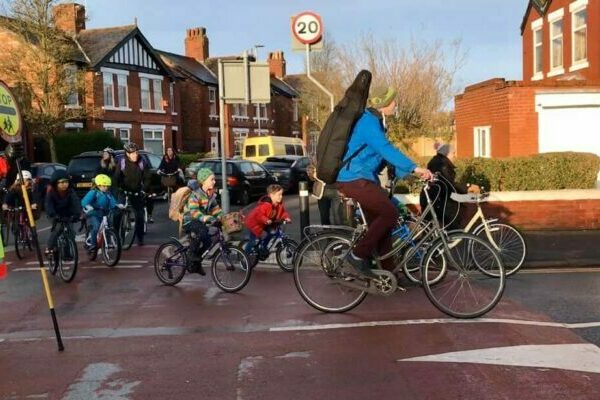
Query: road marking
115	267
435	321
583	357
94	384
559	270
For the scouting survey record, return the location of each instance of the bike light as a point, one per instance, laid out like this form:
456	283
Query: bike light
232	181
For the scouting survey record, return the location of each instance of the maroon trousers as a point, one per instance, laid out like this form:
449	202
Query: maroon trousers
380	213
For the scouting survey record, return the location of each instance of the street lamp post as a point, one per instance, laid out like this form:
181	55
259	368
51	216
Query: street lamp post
256	47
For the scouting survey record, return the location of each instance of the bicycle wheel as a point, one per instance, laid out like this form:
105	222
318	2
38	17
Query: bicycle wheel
508	242
127	228
20	241
111	248
415	252
251	255
52	263
170	263
285	254
231	269
67	258
319	277
465	291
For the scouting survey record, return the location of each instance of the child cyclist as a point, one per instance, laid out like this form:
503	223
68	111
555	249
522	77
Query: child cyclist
61	202
200	210
14	196
97	203
268	211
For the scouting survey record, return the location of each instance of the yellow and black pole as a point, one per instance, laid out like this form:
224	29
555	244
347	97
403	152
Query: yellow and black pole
38	252
11	128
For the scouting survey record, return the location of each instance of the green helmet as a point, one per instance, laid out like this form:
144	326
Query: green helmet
102	180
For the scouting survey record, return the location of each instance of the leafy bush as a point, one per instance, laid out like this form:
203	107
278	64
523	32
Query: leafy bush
71	144
548	171
186	158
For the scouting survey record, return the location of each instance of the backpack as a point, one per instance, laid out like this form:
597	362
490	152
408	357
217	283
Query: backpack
334	138
178	200
140	163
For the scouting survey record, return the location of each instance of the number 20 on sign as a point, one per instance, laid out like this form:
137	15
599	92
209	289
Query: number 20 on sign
307	27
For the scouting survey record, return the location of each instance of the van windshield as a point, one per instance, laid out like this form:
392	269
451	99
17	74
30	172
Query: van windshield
251	151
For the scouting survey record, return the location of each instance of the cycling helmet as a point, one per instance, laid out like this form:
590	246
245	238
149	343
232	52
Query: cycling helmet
108	150
130	147
26	175
57	176
102	180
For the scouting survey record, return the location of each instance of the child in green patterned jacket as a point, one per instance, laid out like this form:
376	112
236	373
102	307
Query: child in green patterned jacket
200	210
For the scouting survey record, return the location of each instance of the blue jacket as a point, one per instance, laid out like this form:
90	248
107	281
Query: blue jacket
366	165
100	201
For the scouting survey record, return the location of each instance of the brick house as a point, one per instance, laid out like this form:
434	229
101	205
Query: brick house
199	97
127	81
557	104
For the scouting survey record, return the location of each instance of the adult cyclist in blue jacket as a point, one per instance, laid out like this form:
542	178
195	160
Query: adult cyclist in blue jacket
358	178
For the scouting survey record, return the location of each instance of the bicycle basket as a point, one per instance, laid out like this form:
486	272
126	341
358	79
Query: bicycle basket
168	181
233	222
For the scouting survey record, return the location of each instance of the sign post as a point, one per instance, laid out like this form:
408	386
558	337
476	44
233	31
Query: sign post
307	28
11	126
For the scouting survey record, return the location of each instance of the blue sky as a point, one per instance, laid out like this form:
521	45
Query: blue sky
488	29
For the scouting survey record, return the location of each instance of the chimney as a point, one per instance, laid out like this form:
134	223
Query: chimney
69	17
196	44
277	64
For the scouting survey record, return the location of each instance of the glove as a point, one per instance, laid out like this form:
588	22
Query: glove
121	206
87	209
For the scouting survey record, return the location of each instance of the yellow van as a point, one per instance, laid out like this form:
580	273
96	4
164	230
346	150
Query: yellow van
258	148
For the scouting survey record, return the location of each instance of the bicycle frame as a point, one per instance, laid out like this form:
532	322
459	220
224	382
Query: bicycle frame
479	216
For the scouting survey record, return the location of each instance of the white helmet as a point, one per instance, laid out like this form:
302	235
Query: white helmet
26	175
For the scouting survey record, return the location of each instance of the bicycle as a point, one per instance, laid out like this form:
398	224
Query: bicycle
19	226
285	248
170	182
127	225
64	257
505	238
230	268
452	281
107	242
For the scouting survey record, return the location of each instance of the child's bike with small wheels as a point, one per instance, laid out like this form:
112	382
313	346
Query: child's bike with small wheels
276	241
64	257
230	268
108	242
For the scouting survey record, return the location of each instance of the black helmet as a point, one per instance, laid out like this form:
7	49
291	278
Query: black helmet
109	150
130	147
58	175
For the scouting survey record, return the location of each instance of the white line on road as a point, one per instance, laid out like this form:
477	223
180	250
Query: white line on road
434	321
115	267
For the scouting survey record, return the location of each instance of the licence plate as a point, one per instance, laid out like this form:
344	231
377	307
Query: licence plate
84	185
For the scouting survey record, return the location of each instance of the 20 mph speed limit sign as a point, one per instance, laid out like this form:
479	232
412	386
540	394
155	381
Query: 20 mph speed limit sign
307	27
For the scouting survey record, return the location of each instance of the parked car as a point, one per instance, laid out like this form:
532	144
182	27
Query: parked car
245	179
289	170
83	168
42	172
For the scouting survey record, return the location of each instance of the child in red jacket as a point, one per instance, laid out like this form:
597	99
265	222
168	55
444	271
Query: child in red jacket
269	209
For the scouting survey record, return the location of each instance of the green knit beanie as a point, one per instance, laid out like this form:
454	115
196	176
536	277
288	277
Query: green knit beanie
203	174
381	97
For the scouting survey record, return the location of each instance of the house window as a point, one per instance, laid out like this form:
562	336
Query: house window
122	91
71	80
579	36
145	91
212	99
239	135
172	97
124	135
482	141
295	116
537	52
157	86
261	111
556	44
109	99
153	140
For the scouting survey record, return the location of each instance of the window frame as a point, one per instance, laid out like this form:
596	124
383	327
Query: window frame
145	94
554	18
126	94
157	95
212	100
108	76
486	131
576	8
537	28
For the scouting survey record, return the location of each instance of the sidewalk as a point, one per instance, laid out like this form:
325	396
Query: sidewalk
562	248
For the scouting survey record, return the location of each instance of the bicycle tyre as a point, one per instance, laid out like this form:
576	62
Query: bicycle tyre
231	263
511	245
287	249
461	268
67	258
170	272
20	242
111	248
314	264
127	229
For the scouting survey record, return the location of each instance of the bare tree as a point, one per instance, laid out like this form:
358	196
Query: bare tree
41	62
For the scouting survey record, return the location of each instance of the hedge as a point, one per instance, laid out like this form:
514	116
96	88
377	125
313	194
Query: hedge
71	144
547	171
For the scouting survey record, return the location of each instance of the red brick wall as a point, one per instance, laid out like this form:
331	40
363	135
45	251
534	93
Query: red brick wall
539	214
195	110
593	41
523	132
